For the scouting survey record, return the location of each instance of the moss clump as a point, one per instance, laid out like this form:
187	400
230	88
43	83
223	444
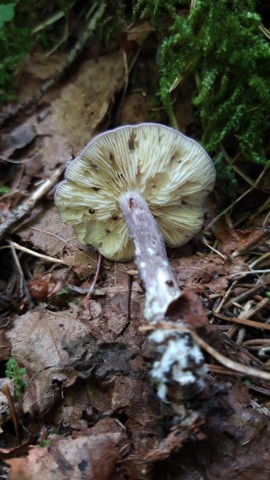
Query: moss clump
220	49
15	43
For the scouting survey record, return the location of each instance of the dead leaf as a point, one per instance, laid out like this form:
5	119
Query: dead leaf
36	340
135	108
19	138
91	458
139	32
80	107
237	242
76	410
178	435
68	126
207	272
36	68
183	113
4	346
82	263
48	234
89	355
4	404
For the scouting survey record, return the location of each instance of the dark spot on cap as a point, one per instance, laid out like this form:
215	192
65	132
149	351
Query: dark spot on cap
131	141
95	167
96	189
107	231
91	210
115	217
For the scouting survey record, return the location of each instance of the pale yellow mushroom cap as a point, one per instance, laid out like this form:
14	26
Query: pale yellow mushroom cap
172	173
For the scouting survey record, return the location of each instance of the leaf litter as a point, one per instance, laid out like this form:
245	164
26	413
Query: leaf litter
87	396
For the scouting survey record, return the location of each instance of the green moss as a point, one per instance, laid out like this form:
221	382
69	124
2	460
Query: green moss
16	374
23	26
217	50
15	42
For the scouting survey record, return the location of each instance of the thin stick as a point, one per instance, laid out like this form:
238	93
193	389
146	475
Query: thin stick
6	391
243	321
213	249
24	210
247	293
227	362
131	274
249	272
221	370
39	255
95	277
260	259
238	199
23	285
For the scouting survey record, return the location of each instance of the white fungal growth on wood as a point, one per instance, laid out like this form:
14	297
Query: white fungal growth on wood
155	304
179	370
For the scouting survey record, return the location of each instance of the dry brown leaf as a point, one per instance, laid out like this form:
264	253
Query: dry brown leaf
237	242
75	410
139	32
69	124
82	263
4	345
49	235
19	138
91	458
135	108
80	108
36	69
36	340
209	271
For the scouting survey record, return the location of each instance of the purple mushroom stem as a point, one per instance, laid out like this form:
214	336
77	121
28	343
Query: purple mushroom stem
160	284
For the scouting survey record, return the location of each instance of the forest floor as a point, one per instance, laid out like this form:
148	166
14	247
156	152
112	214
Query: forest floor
83	406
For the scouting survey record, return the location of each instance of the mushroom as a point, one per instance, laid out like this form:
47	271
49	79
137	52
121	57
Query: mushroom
130	189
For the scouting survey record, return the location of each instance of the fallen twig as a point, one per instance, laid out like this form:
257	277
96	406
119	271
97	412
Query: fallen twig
227	362
6	391
23	285
245	321
238	199
39	255
24	210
